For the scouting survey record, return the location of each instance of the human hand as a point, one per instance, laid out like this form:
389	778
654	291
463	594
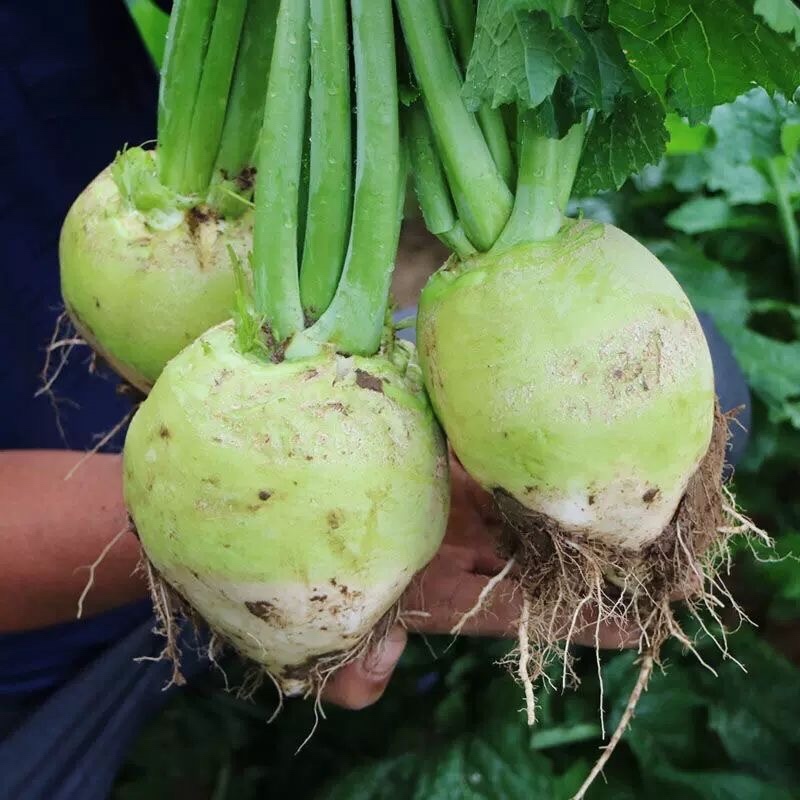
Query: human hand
447	589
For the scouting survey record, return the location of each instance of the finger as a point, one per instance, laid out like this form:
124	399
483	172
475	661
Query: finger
471	540
465	487
439	599
607	635
362	682
439	602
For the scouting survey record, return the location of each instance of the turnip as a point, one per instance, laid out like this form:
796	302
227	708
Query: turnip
566	365
286	476
144	255
571	406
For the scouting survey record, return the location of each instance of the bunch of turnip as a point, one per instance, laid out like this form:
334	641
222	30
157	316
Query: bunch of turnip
565	363
286	474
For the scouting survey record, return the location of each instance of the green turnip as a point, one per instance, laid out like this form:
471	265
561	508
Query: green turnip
565	364
144	250
572	374
142	283
289	503
286	475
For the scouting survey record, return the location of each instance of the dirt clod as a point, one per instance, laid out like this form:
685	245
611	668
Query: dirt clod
263	609
650	495
369	381
277	350
334	519
197	216
245	179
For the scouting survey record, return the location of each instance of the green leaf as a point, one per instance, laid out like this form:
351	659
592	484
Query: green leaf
621	143
751	742
770	305
756	714
495	763
520	51
694	56
664	728
564	734
772	369
687	173
152	24
721	786
381	780
780	568
703	214
782	15
790	138
755	140
525	53
749	132
685	138
600	73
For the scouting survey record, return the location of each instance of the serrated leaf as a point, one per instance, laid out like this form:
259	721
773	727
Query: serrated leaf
694	56
601	71
520	51
782	15
621	143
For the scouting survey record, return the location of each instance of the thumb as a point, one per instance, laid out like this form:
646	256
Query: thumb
362	682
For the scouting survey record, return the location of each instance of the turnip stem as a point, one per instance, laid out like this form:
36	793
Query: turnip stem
481	196
461	14
430	183
212	97
275	257
786	214
546	173
187	40
354	320
245	109
330	176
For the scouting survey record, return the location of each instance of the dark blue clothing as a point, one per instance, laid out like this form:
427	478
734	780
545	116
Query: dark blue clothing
75	86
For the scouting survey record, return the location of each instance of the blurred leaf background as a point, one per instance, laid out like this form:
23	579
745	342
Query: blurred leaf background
721	211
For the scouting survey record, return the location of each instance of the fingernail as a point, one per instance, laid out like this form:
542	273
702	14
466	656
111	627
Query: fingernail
383	657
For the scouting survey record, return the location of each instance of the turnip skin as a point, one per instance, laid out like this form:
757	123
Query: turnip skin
289	503
574	375
140	285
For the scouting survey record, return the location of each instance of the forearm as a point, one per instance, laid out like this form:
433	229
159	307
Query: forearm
51	529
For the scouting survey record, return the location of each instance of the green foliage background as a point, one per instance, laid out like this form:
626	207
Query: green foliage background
721	211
